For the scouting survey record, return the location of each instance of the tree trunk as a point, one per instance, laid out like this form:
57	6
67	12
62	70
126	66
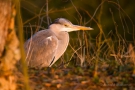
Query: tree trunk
5	14
9	46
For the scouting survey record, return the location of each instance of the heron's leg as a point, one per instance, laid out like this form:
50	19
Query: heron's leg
49	71
51	62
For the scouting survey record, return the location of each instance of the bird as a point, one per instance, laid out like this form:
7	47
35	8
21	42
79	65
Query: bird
45	47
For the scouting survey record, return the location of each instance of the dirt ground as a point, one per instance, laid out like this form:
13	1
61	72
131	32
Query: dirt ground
79	78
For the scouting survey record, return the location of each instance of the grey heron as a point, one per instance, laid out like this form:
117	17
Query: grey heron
45	47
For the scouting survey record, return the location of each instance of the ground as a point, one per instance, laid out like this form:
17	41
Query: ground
80	78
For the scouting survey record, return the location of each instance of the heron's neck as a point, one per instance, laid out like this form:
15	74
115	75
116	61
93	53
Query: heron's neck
63	40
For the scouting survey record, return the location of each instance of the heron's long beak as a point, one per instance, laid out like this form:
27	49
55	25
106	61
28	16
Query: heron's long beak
77	28
82	27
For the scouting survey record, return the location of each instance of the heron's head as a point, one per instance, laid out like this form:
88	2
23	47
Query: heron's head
62	24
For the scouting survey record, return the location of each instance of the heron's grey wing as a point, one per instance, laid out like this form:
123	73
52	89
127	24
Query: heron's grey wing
40	50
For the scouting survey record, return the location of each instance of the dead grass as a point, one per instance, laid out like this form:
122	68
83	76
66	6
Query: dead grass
105	62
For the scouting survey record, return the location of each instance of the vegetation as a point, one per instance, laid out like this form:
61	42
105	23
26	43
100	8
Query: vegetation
100	59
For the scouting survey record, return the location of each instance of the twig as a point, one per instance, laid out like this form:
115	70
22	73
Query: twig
47	16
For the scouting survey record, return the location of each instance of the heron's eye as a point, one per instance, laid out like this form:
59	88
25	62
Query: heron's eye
65	25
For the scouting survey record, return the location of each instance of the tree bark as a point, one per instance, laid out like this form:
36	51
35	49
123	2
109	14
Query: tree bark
5	14
9	46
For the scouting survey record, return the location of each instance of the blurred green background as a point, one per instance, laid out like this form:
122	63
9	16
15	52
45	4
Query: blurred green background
34	13
79	12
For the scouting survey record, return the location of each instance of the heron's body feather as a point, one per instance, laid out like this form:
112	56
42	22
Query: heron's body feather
44	54
49	47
